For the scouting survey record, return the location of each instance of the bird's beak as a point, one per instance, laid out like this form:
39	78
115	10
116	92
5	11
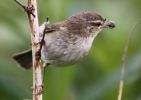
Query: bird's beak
108	24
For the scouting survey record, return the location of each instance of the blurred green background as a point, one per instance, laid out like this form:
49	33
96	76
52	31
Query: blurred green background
94	78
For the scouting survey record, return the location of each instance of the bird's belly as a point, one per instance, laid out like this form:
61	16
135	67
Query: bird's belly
71	57
64	53
67	57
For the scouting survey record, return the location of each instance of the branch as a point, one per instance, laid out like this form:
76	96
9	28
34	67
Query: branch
31	10
123	60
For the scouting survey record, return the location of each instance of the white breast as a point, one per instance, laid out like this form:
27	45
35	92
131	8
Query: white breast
55	53
75	52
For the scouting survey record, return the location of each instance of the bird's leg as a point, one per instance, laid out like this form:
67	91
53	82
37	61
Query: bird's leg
42	41
45	65
38	56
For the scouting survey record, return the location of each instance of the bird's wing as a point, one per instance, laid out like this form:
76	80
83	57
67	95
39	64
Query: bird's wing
51	28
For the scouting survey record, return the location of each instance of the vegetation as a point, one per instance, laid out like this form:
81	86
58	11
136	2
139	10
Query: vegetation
94	78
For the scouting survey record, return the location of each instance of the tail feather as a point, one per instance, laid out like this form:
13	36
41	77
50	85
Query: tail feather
24	59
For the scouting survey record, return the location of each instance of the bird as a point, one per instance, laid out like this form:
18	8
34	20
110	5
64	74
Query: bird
67	42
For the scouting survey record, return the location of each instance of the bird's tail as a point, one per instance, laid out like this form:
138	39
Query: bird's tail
24	59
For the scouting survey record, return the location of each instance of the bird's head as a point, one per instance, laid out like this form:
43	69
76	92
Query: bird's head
88	23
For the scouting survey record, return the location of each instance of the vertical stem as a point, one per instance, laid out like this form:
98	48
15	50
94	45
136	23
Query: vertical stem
31	10
123	60
37	71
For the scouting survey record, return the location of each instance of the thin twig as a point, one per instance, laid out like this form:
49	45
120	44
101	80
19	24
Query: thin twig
20	4
123	60
31	10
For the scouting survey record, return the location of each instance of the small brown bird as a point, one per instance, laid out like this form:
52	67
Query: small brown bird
67	42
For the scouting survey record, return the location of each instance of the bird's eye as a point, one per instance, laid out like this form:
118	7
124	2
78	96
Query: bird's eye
96	23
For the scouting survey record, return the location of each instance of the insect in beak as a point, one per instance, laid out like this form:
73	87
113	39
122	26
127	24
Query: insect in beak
108	24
